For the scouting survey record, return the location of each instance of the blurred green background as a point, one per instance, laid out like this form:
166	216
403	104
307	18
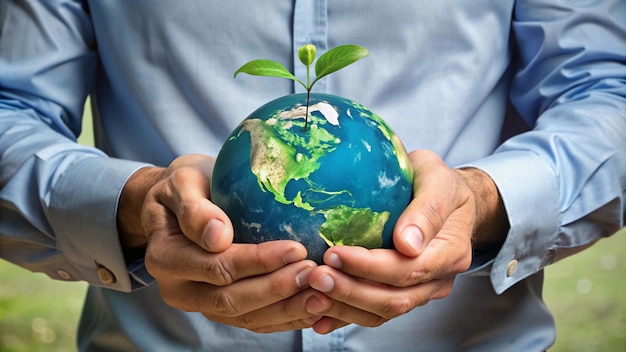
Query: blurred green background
586	293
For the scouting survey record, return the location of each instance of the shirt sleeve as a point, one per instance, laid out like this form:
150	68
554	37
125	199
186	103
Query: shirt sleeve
58	199
562	182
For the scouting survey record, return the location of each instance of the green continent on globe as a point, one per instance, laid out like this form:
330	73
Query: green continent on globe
353	226
281	151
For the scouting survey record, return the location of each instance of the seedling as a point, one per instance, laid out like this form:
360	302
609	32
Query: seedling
333	60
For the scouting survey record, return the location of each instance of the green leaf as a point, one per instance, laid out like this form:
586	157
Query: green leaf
306	54
267	68
337	58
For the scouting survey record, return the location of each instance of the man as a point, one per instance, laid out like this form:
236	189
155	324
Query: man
501	189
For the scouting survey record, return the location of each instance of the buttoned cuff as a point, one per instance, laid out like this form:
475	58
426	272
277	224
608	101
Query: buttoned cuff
83	208
529	191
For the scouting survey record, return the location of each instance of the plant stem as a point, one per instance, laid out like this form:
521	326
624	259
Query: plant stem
306	116
308	94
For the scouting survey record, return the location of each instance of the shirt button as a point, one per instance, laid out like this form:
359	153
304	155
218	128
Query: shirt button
511	268
64	274
106	276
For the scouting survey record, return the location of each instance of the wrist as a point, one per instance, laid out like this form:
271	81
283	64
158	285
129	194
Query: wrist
491	224
131	232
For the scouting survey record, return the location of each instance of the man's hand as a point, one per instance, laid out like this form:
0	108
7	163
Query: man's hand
189	251
450	210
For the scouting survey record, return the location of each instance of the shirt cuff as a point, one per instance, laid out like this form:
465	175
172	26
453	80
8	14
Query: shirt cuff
533	215
83	215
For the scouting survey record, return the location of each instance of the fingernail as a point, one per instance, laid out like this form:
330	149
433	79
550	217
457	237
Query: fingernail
302	278
315	305
413	237
213	233
312	319
334	261
324	284
293	256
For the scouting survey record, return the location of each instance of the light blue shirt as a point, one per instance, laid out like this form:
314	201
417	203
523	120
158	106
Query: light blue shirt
442	73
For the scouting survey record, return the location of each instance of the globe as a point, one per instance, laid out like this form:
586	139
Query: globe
340	177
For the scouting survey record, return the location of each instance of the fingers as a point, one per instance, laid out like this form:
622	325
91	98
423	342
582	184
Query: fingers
327	324
365	302
444	258
174	256
438	192
240	297
285	315
249	286
264	303
381	265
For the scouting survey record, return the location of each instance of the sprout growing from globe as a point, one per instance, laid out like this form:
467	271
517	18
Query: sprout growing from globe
314	168
333	60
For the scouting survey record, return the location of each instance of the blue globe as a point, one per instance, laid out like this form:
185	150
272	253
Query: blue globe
340	177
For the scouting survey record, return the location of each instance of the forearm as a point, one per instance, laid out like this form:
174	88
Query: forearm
57	213
561	182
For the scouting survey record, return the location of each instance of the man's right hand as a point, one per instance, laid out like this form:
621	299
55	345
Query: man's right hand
189	251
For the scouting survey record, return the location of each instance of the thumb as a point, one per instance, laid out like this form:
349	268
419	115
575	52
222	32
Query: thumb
409	240
218	232
201	220
434	188
180	203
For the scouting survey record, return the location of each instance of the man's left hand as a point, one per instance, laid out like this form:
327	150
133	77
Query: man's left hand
433	239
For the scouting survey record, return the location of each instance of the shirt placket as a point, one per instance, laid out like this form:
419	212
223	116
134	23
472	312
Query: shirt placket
310	26
314	342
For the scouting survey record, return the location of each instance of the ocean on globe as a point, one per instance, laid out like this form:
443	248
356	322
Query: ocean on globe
341	178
